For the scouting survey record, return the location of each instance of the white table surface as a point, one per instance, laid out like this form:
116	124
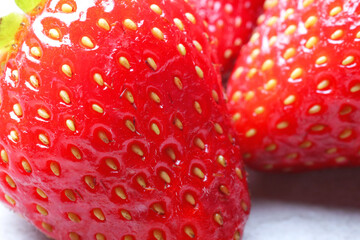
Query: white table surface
321	205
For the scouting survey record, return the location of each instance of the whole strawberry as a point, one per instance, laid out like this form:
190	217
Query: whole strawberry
114	126
231	22
295	92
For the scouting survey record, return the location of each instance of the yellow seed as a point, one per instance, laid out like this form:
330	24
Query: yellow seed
237	235
190	17
26	166
86	41
155	97
318	128
253	55
315	109
197	45
70	195
252	72
73	217
55	168
311	21
124	62
260	19
120	193
271	147
355	88
340	159
181	49
100	236
254	37
272	21
65	96
296	73
151	63
272	40
337	34
158	235
290	30
218	128
271	84
348	60
71	125
74	236
170	152
35	51
43	113
307	2
98	79
250	133
335	11
99	214
267	65
236	117
190	199
104	24
249	95
197	107
323	84
130	24
178	83
14	135
223	189
141	181
66	69
165	176
76	153
158	208
90	181
34	81
178	124
331	150
137	150
199	72
189	231
289	12
103	137
290	100
221	160
15	74
4	156
156	9
157	33
54	33
129	97
41	193
218	219
130	125
66	8
44	139
42	210
10	200
155	128
228	53
306	144
289	53
321	60
282	125
10	181
179	24
17	110
259	110
345	134
311	42
215	96
199	143
47	226
97	108
197	172
346	110
111	164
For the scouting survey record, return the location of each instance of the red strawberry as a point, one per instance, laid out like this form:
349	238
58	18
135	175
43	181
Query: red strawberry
231	22
114	126
296	90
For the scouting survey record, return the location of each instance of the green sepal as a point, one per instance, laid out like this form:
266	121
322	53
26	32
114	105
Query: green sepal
27	5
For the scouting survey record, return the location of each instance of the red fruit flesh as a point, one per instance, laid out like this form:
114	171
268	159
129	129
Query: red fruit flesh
109	131
295	91
231	22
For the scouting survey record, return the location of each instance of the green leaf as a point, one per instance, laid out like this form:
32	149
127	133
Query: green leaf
9	26
27	5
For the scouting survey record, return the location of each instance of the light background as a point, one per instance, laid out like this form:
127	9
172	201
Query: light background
321	205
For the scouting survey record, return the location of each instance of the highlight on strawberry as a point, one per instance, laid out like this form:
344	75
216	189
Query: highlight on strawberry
114	124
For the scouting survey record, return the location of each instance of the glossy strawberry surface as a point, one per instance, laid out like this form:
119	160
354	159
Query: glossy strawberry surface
114	126
295	92
231	22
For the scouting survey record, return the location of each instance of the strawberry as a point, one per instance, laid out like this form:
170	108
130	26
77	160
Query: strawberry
295	91
231	22
114	126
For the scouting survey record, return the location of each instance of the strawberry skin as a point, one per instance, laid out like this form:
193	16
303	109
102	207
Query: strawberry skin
294	94
231	22
115	126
